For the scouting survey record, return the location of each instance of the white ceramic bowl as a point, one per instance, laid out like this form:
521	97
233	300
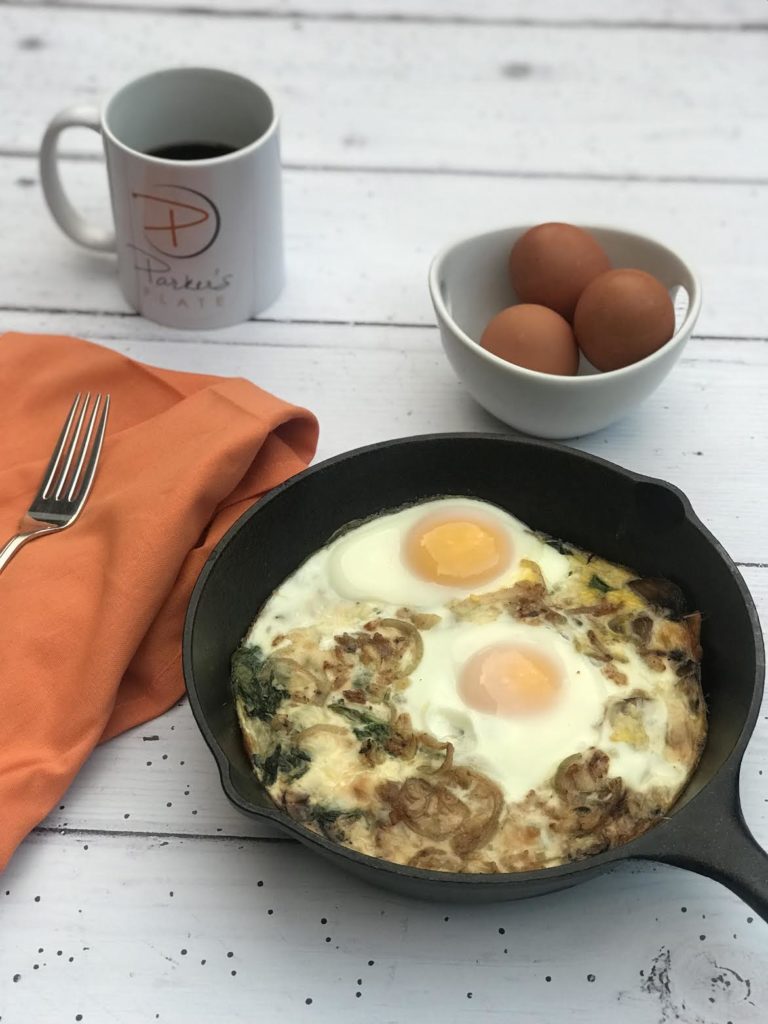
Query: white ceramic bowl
468	283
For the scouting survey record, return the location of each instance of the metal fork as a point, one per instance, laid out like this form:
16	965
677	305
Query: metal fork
67	481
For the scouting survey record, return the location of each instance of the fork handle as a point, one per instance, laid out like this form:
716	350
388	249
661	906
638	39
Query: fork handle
9	550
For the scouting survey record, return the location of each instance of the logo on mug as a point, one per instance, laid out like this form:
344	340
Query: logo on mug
178	222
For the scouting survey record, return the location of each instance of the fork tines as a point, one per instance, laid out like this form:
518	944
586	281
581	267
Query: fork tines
73	463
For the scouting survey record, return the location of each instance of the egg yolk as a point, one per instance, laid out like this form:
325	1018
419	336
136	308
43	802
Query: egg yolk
510	680
456	550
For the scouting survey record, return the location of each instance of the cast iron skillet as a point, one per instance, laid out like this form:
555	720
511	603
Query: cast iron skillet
625	517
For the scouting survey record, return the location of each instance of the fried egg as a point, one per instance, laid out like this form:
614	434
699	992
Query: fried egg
425	555
514	700
422	556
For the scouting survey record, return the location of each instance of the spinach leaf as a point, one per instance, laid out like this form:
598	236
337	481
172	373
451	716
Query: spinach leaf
328	817
559	545
597	584
292	762
257	683
367	727
271	764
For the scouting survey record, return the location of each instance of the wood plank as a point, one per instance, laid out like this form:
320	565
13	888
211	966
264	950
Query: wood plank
737	14
363	393
359	244
552	100
135	928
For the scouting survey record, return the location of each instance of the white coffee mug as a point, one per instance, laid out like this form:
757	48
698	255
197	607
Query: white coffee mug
193	159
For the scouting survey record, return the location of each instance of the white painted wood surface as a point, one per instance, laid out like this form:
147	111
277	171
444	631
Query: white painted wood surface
149	941
552	100
737	14
359	243
387	103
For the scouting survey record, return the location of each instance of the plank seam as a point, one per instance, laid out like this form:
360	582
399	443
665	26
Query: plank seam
149	834
298	321
22	153
381	17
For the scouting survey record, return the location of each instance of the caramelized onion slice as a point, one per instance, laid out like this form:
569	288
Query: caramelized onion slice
321	727
487	802
431	811
300	681
660	593
434	858
412	651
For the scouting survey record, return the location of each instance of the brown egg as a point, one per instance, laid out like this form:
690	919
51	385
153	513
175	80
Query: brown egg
553	263
534	337
622	317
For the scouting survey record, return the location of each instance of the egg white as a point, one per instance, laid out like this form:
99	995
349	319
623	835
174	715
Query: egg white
366	564
520	753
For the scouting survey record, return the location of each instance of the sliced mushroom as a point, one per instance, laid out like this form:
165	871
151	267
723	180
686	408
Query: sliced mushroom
578	774
599	609
660	593
690	688
354	696
296	804
692	625
614	674
599	650
685	733
689	668
654	660
527	599
631	705
556	618
582	783
586	845
642	627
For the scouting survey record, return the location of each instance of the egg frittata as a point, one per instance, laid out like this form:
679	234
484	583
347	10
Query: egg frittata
443	687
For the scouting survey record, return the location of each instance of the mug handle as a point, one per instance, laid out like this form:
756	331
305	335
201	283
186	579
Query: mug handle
64	213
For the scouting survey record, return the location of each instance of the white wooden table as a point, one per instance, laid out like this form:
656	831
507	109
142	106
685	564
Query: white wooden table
143	896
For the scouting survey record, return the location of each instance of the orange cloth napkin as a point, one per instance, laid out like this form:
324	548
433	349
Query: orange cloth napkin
91	619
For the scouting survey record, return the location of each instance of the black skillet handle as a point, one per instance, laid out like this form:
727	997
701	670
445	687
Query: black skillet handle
710	837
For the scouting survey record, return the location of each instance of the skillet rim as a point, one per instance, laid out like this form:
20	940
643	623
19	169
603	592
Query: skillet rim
642	847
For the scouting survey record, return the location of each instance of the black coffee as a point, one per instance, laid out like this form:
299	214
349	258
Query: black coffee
192	150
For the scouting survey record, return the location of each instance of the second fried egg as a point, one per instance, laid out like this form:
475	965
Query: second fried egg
513	699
